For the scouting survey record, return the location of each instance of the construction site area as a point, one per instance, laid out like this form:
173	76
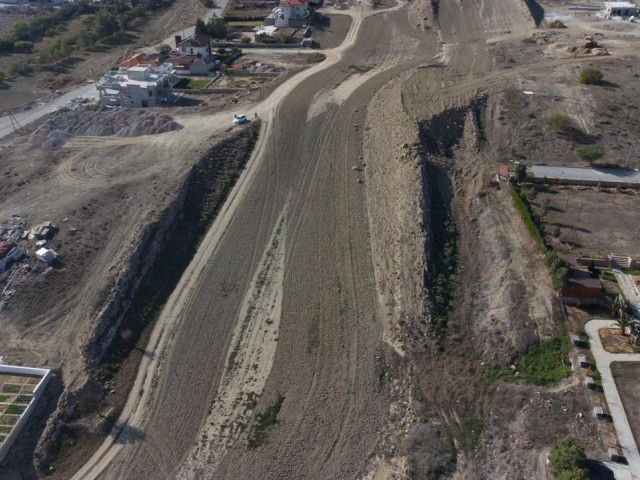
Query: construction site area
334	263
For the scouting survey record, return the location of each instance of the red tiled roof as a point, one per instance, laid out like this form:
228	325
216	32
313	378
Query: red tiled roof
141	58
292	3
504	170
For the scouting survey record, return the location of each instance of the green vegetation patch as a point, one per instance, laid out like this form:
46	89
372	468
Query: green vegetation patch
591	153
560	122
244	24
359	68
8	420
548	363
567	461
15	409
316	58
313	333
591	76
2	437
7	388
259	431
4	398
192	83
5	430
24	399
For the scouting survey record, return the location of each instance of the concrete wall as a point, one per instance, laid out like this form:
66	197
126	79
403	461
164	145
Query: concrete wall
37	393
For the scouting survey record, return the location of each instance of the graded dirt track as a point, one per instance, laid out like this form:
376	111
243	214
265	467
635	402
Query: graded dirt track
334	386
330	363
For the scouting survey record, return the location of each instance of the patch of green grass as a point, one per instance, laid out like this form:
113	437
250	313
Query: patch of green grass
313	334
15	409
192	83
591	153
3	398
259	431
2	437
359	68
560	122
6	430
23	399
11	388
316	58
244	24
548	363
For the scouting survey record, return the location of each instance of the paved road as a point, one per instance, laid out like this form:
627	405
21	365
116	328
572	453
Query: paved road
630	291
620	421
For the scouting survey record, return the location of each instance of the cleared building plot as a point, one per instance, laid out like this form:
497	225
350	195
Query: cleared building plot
20	389
605	177
591	221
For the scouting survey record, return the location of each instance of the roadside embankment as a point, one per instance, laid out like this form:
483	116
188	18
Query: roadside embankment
119	334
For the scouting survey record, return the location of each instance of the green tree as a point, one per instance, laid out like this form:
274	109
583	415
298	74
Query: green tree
591	76
573	474
23	46
566	455
532	194
520	173
201	27
556	232
217	28
105	23
21	30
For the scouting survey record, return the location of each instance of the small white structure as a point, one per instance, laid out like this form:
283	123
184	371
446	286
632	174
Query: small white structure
46	255
288	12
589	383
598	412
139	86
620	9
582	361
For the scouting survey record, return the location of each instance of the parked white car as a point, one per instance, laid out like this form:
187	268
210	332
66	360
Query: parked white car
239	119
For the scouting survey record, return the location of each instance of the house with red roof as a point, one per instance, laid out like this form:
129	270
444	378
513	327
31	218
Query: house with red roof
152	59
290	13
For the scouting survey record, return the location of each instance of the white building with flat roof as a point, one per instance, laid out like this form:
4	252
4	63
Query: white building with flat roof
620	9
139	86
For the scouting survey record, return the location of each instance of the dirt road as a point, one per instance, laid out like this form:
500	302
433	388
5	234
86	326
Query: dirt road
328	363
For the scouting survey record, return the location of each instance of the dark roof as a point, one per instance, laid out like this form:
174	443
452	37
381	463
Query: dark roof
181	61
197	41
583	281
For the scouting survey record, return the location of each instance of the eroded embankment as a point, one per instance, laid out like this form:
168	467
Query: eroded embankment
118	340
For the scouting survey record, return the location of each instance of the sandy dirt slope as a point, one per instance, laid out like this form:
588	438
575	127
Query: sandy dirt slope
328	364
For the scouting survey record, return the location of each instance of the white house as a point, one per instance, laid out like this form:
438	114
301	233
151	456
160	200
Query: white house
620	9
289	12
139	86
199	45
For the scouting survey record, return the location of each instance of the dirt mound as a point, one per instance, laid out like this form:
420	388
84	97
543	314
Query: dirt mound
103	122
557	24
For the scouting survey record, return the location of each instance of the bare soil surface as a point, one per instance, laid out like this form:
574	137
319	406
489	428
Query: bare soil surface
614	342
340	314
626	377
592	221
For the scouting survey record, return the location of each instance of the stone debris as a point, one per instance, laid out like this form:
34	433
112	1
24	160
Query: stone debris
102	122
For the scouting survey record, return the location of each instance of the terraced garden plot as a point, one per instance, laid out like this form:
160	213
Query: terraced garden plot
16	392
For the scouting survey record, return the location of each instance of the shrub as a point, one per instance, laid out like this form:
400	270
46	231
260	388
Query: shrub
559	122
245	40
591	76
2	77
520	173
548	363
567	456
18	68
556	232
23	46
591	153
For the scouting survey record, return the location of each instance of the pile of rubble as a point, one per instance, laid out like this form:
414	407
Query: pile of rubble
101	122
257	67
